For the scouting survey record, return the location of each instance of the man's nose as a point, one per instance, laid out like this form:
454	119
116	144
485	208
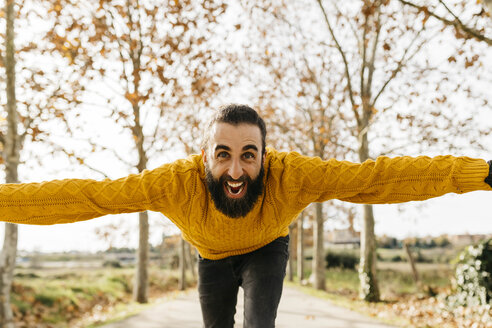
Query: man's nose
235	170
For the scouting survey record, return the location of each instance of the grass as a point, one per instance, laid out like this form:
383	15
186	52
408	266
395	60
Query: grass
89	297
395	279
396	284
352	303
431	255
62	298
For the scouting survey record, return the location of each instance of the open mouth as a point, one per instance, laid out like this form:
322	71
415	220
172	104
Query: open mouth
235	189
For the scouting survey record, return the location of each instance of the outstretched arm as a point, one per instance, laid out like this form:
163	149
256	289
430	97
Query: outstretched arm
384	180
403	179
71	200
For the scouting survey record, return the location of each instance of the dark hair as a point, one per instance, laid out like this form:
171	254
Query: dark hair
236	114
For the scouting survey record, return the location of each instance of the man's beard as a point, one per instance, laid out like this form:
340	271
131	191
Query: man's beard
234	207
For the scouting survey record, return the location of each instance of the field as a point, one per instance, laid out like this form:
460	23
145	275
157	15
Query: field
403	302
395	279
87	297
62	298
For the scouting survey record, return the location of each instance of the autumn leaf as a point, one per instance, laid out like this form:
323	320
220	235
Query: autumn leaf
132	98
452	59
471	61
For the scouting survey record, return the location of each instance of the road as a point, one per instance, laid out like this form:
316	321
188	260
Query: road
296	309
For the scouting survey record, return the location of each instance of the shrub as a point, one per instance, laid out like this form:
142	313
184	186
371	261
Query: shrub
343	260
474	276
112	264
397	258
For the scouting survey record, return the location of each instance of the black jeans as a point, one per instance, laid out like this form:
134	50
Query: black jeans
260	273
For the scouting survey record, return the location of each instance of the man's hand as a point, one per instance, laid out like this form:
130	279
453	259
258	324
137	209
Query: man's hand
489	178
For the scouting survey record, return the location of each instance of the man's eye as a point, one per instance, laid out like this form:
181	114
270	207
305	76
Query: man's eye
249	155
222	155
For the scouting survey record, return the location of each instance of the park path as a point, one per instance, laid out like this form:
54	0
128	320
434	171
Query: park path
296	310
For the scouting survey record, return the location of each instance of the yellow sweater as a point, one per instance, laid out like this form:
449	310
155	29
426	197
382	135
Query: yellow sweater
178	190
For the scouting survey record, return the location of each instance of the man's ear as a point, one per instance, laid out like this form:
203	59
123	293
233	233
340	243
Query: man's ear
204	156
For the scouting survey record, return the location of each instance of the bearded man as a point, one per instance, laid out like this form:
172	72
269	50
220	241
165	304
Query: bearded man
235	202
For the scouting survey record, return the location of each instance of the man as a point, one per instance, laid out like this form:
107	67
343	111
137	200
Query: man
235	201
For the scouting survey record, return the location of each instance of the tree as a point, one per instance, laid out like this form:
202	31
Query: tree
11	152
191	260
182	263
298	96
300	248
145	62
374	21
26	110
411	260
290	263
391	94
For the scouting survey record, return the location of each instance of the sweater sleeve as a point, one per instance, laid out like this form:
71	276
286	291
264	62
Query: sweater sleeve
385	180
71	200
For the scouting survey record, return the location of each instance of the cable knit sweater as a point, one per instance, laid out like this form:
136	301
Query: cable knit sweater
178	190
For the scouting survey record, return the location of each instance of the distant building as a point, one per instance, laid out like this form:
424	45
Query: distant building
467	239
342	237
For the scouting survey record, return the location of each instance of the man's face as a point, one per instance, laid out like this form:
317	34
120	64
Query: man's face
234	167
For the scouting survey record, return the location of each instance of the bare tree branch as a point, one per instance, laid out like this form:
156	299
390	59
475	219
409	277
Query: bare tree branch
115	154
22	137
352	27
345	61
79	160
288	132
363	90
120	46
401	63
373	52
153	139
456	23
315	80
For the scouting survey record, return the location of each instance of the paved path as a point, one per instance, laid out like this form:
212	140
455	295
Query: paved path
296	310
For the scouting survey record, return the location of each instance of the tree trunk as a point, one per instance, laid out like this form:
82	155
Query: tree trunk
415	273
190	261
142	274
318	250
182	265
300	247
7	266
369	290
11	157
290	264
